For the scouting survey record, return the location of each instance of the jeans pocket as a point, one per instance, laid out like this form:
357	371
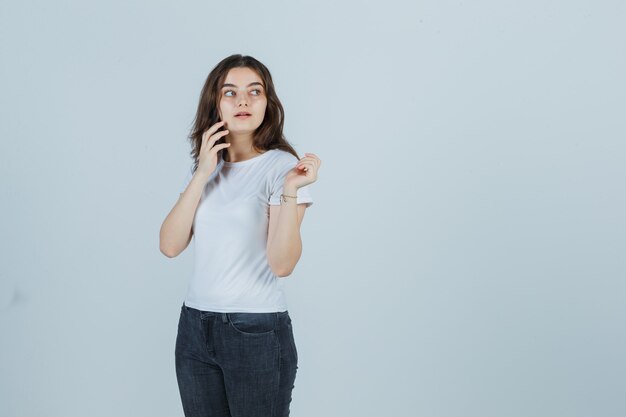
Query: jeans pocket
252	324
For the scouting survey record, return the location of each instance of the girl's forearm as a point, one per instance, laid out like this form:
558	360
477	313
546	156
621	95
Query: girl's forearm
286	245
175	231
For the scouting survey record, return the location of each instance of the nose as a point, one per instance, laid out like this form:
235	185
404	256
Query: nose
243	100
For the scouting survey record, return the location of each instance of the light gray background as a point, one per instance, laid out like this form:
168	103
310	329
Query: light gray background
465	252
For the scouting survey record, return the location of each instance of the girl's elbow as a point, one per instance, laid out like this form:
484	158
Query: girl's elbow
169	252
281	271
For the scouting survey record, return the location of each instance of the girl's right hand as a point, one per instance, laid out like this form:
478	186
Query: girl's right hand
207	160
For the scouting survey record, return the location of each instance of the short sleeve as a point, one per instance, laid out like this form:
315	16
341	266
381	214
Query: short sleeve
303	194
187	180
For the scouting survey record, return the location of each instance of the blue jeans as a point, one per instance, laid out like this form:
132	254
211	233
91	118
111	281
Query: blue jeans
235	364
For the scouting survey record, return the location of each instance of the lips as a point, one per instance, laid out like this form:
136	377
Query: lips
243	114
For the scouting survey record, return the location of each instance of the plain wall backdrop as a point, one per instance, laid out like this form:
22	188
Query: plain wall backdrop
465	252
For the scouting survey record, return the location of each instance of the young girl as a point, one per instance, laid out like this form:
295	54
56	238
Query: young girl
243	199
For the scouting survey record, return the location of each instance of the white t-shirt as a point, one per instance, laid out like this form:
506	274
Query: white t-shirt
230	227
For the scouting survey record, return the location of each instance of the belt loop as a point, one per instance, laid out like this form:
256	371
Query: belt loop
224	317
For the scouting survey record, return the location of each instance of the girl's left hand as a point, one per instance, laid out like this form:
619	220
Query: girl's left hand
305	171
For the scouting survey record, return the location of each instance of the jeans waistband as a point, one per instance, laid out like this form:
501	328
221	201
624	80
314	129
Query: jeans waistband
204	314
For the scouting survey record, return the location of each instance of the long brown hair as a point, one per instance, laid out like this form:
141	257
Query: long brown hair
269	135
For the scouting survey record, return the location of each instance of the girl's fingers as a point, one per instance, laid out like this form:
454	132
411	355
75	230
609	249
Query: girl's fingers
311	158
213	128
305	166
312	155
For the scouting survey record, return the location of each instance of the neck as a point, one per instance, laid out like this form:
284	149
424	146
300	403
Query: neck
241	147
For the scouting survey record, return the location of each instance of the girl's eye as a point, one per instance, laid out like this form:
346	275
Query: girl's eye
231	91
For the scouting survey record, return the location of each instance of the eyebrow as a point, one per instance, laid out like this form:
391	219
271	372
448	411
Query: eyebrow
233	85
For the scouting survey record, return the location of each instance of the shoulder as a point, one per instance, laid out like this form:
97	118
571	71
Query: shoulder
279	163
283	158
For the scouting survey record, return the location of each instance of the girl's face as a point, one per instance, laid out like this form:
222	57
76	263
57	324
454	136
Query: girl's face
243	91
